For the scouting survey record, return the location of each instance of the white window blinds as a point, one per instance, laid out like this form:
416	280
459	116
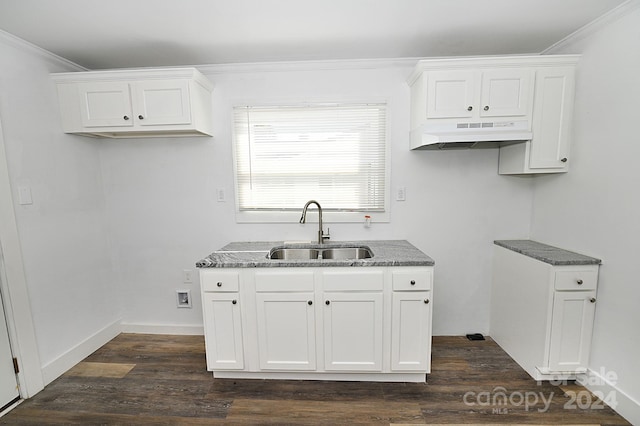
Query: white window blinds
287	155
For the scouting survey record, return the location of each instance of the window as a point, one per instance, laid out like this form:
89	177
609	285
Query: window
335	154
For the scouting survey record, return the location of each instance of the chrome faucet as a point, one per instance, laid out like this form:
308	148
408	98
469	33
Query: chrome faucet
321	235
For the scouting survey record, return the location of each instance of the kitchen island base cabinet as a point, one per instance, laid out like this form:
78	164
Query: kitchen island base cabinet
542	314
357	324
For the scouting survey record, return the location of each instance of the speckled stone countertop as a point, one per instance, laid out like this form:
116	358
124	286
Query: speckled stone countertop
548	254
254	255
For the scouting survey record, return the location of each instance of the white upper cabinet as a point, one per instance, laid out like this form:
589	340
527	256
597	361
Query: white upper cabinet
140	103
506	93
476	94
454	94
521	104
105	104
548	151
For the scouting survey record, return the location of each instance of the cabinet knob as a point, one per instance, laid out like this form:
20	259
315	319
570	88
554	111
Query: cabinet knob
413	282
592	300
486	108
141	117
234	301
563	159
469	108
310	302
327	303
426	301
580	282
125	118
219	284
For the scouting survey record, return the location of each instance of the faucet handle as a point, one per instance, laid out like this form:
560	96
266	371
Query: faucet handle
326	236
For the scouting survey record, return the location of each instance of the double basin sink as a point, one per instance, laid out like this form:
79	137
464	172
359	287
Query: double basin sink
319	252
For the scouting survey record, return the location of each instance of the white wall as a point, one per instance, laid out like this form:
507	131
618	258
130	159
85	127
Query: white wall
595	208
63	234
161	198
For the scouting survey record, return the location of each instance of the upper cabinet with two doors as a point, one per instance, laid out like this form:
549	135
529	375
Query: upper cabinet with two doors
475	94
522	104
135	103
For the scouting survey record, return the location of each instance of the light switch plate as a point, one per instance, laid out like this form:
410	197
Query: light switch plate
24	195
221	195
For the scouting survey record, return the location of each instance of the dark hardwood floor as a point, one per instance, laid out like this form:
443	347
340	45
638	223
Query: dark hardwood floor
162	380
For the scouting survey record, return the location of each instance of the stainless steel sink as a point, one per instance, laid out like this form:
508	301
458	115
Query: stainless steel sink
293	253
318	253
347	253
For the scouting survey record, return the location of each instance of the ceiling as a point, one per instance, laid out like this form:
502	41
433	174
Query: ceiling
145	33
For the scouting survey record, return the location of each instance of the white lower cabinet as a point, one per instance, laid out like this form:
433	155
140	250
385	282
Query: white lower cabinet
223	331
573	313
286	331
353	331
542	314
338	323
411	319
410	333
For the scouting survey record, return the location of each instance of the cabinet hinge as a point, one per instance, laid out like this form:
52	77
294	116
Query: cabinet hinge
15	365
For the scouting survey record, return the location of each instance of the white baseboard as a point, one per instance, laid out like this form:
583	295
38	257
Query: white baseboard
617	399
67	360
64	362
188	330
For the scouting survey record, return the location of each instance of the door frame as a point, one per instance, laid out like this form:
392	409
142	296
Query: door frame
15	295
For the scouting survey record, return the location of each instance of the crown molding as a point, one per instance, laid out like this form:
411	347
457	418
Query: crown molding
593	26
14	41
318	65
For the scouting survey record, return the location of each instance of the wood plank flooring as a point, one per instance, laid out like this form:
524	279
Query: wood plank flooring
162	380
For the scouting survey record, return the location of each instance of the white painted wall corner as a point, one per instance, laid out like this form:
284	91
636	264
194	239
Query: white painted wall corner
67	360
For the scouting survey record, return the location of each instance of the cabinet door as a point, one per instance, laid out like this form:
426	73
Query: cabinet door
571	328
223	331
286	331
353	331
451	94
552	118
105	104
506	93
411	331
161	102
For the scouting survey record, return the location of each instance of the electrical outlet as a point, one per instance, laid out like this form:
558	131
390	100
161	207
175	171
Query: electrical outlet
187	276
401	193
221	196
183	298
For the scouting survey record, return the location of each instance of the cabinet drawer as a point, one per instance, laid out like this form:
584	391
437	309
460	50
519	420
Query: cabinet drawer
360	279
222	281
576	280
289	281
412	280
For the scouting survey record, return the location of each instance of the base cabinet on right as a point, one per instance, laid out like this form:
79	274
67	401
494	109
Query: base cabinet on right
542	314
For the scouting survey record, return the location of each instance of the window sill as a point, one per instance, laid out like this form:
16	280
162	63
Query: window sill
312	216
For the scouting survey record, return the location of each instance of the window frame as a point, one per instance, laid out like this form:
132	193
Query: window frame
328	216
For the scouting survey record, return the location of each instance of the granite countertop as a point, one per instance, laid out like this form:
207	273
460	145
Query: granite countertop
254	255
546	253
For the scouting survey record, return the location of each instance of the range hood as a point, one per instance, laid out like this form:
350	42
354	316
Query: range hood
463	135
